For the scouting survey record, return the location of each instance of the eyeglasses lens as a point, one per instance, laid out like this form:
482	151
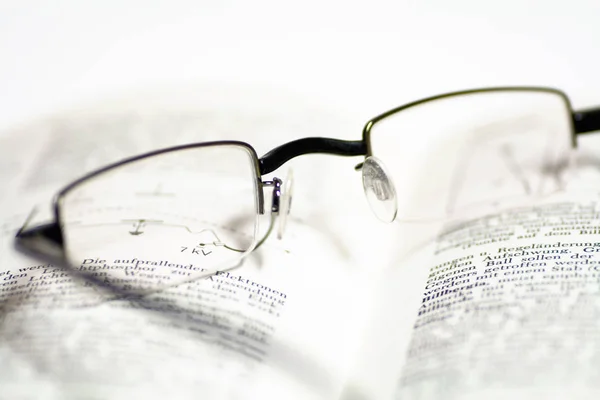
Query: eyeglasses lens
455	155
163	219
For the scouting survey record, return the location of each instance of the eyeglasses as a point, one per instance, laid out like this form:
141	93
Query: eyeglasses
177	214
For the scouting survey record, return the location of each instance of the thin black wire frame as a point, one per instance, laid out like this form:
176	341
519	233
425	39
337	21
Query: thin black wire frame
583	121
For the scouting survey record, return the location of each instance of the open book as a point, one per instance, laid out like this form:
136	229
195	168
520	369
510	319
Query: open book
499	302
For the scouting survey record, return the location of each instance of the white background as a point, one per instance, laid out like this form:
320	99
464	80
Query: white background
360	56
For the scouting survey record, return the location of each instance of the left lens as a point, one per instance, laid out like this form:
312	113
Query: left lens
164	219
471	152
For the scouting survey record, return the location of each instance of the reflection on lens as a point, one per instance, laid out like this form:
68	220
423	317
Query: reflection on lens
165	219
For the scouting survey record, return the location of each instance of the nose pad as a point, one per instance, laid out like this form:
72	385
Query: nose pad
379	190
285	203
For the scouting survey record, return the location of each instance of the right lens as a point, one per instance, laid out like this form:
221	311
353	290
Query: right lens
456	154
164	219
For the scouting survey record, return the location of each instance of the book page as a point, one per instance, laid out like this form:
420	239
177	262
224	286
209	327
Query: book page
499	304
281	325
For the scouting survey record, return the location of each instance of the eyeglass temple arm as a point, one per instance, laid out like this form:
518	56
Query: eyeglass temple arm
43	240
280	155
586	121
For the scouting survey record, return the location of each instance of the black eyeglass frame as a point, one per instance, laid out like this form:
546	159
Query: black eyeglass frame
583	121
